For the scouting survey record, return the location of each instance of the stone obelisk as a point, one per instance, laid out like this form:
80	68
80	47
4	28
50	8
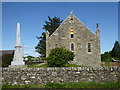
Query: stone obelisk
18	54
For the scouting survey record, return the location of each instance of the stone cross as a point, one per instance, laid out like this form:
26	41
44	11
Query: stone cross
71	11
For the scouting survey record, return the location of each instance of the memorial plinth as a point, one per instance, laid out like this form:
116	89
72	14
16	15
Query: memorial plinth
18	55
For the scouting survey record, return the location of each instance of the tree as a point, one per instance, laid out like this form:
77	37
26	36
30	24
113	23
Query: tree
106	57
59	57
116	50
29	57
41	46
115	53
50	26
6	59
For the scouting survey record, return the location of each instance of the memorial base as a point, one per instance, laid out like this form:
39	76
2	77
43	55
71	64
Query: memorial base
17	66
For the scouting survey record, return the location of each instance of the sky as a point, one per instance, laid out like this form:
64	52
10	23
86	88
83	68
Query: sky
32	17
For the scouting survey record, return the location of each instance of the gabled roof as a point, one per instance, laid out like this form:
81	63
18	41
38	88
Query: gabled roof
71	16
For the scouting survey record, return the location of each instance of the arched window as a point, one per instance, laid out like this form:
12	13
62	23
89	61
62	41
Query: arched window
71	20
71	33
72	47
89	47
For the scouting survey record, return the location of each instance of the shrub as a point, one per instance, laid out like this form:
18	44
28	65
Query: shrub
59	57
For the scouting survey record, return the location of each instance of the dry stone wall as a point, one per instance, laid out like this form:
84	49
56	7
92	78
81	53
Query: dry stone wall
65	74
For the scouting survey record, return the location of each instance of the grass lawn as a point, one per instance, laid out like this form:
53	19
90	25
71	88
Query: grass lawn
23	86
35	66
111	84
92	85
45	65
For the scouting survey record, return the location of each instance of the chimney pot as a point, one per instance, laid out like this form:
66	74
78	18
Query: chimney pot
97	25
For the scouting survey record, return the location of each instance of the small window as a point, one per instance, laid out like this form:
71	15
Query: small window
72	47
72	35
71	19
56	45
89	47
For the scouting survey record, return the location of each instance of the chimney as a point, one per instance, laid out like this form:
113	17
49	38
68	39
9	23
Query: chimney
97	31
97	26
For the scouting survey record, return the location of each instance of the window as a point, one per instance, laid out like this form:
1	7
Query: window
89	47
71	20
71	33
72	47
56	45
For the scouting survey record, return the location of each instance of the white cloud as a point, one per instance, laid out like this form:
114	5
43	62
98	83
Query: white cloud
32	53
28	47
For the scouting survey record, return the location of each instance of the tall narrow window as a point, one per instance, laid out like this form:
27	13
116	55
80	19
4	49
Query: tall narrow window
72	47
89	47
71	33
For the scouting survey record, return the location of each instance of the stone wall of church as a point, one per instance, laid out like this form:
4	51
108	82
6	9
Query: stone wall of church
60	75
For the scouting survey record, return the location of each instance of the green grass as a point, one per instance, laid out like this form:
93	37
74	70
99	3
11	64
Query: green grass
92	85
107	64
22	86
45	65
73	65
111	84
35	66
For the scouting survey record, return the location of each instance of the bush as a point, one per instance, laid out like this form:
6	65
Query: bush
59	57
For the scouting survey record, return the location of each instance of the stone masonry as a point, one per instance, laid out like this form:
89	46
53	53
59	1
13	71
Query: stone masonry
21	76
73	35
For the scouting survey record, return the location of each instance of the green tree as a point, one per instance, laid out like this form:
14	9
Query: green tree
50	26
6	59
41	46
59	57
29	57
115	53
106	57
116	50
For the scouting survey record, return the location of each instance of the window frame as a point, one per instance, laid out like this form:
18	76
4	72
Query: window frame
72	33
72	47
89	50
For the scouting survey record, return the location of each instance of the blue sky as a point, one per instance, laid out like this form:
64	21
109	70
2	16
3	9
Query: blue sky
32	17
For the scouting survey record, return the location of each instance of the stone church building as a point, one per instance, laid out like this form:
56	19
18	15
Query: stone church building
73	35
